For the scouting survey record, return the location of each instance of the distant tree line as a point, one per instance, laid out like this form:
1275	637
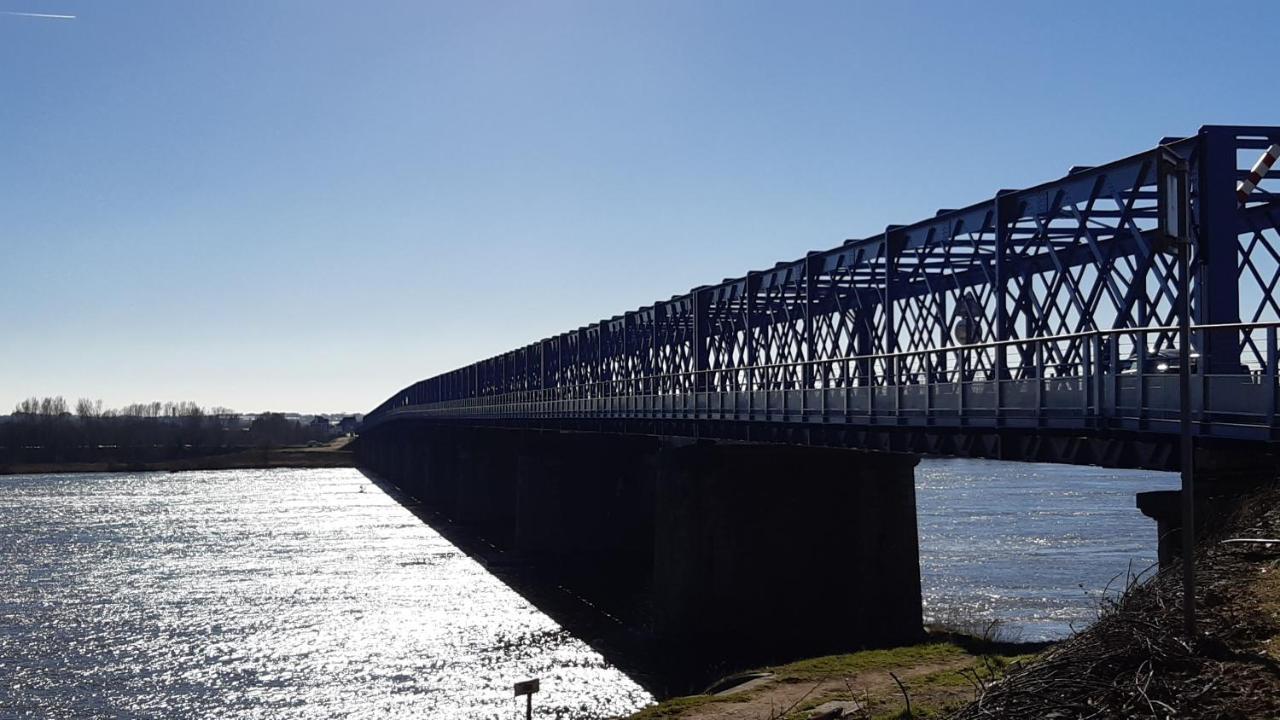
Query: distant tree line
47	430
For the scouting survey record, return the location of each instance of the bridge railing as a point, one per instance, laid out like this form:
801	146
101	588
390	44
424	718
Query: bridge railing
1125	378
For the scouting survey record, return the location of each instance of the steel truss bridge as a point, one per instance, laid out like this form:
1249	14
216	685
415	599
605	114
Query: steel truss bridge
1039	324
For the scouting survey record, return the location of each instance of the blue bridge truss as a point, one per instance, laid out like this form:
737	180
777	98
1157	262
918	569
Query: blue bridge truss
1037	324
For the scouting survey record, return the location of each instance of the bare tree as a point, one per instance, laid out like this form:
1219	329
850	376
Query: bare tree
30	406
87	408
53	406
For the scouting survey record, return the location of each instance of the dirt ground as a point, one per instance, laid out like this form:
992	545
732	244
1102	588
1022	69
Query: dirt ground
936	678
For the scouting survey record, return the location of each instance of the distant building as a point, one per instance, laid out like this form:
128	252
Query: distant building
321	424
348	424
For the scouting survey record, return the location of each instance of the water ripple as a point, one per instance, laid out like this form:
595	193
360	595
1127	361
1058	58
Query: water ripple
264	594
1029	544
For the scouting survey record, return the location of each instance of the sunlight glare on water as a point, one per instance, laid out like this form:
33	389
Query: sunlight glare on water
1034	545
264	594
293	594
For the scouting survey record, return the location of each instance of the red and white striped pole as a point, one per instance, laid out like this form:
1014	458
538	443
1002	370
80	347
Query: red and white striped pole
1259	171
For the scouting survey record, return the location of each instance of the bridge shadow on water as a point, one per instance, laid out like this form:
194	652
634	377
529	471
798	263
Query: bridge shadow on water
605	611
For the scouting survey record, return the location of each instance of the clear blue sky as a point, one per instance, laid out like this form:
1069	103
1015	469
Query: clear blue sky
306	205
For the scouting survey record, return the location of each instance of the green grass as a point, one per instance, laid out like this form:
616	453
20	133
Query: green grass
674	707
830	666
932	695
994	665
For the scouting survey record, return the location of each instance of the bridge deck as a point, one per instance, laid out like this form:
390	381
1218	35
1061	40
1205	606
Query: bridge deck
1051	309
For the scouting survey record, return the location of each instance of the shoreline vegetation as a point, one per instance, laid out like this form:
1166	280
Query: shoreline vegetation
50	435
1132	662
336	453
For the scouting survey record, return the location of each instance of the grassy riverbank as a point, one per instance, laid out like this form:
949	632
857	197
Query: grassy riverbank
333	454
936	677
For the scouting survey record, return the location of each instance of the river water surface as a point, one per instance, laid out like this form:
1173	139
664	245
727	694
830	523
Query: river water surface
312	594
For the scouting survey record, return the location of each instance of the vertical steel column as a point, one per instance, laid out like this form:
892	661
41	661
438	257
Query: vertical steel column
1217	251
542	365
753	288
1269	376
628	369
893	242
1096	372
560	374
1001	219
700	327
807	354
863	345
1005	211
583	374
655	371
600	389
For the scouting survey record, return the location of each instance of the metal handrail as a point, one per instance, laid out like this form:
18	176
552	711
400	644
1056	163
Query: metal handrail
607	388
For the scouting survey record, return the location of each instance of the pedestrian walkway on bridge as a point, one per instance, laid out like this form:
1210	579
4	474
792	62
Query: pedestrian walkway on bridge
1041	323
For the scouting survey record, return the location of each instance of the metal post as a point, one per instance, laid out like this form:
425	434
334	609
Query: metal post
1269	376
893	243
1174	222
1039	357
698	338
752	285
1218	258
1097	373
808	354
527	688
1188	459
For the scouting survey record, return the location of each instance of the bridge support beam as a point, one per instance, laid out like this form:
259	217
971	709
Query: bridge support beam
484	496
439	484
781	551
584	501
749	552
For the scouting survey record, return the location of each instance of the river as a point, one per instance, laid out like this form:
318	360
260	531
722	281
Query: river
311	593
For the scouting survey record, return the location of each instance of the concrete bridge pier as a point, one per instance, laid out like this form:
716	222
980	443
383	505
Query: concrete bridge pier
385	452
484	483
777	551
1213	504
716	550
1222	478
439	485
584	501
1165	507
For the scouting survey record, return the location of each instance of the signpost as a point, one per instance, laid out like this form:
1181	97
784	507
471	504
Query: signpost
527	688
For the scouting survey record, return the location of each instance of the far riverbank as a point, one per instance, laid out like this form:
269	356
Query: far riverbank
333	454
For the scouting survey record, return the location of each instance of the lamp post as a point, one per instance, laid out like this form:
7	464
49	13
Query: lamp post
1185	442
1174	223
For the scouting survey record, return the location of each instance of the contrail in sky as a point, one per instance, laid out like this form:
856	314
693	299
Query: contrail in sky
38	15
